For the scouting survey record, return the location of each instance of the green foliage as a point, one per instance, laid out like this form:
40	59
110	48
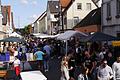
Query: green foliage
27	29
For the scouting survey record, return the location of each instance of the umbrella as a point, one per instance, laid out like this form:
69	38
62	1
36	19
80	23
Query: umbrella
99	36
12	39
68	34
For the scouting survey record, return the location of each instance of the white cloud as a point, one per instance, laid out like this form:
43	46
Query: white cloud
24	1
34	2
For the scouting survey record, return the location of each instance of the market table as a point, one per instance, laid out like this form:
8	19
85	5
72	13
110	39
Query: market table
32	75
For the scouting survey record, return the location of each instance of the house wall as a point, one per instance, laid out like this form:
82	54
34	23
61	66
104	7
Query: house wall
8	25
35	28
112	26
42	25
74	12
89	29
48	21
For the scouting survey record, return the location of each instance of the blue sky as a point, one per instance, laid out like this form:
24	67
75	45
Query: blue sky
26	11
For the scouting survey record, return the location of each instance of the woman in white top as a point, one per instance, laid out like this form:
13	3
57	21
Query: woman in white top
64	69
16	64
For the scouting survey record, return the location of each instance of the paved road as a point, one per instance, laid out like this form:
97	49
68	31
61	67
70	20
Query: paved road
54	70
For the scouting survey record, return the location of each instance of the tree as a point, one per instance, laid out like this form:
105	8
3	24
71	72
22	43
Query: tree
28	29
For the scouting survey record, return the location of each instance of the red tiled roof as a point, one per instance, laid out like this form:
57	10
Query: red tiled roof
64	3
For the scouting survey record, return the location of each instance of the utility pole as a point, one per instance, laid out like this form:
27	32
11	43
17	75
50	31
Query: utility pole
61	19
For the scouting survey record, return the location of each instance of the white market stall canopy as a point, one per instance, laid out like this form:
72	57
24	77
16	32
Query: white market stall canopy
14	34
32	75
40	35
68	34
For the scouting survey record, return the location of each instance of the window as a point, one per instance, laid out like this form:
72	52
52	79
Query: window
79	6
88	6
118	35
108	10
76	20
118	7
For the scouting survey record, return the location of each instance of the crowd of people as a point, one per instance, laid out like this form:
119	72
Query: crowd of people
96	61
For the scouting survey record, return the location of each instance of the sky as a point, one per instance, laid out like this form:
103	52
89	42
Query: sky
25	11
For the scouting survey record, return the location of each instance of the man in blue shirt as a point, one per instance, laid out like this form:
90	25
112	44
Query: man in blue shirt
39	57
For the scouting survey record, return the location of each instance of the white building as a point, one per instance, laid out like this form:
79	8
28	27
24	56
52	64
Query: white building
2	32
40	25
77	11
111	17
52	11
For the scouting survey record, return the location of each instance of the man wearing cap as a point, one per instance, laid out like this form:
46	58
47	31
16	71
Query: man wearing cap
116	69
104	71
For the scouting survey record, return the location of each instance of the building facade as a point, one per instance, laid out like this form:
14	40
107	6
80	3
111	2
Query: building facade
40	25
111	17
1	16
7	20
77	11
52	21
91	23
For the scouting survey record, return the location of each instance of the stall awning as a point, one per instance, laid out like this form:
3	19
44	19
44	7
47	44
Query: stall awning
68	34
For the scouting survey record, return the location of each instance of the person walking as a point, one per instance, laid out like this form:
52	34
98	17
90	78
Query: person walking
116	69
89	64
104	71
39	57
16	64
64	69
47	50
71	65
